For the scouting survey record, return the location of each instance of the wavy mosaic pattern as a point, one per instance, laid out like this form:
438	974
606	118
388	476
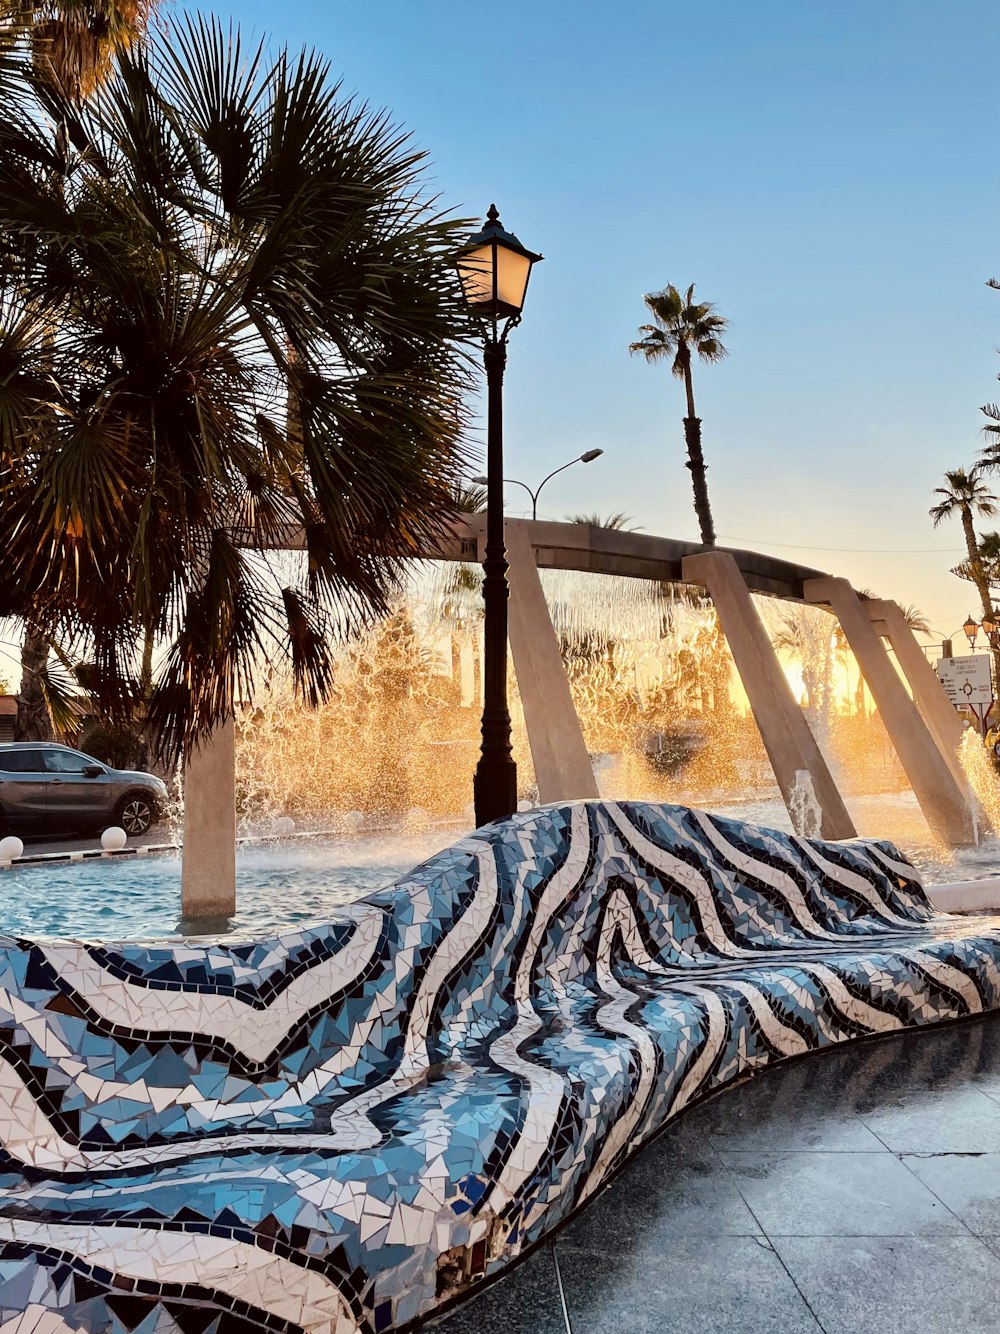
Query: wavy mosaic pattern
339	1129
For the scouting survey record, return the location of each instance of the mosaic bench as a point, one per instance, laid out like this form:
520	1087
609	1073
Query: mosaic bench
343	1128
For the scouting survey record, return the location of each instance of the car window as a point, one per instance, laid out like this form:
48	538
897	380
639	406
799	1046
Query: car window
21	761
66	762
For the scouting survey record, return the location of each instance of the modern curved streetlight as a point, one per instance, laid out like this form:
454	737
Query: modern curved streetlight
588	457
494	268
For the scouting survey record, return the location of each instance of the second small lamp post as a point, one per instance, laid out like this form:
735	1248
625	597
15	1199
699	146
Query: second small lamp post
494	268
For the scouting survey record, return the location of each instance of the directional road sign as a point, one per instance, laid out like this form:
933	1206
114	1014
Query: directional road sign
968	683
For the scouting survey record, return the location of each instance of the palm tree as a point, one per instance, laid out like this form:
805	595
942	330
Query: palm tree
915	619
72	45
74	42
967	495
619	521
233	237
684	328
912	615
467	498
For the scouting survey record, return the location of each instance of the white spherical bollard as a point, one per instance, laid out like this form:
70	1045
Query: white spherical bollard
524	805
11	848
113	839
284	825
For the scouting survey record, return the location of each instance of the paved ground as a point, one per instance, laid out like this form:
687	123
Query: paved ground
853	1192
34	845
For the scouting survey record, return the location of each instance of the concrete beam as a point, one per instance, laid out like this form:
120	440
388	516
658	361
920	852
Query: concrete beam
563	770
941	797
577	546
935	708
208	859
790	745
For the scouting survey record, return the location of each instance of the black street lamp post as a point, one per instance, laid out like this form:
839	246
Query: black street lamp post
494	268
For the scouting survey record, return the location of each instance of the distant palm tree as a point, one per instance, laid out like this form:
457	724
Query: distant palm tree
912	615
469	499
967	495
915	619
684	328
619	521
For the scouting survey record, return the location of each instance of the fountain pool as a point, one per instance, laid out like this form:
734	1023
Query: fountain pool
283	885
280	887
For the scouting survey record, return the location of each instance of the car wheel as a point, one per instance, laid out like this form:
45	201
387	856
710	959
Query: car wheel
134	814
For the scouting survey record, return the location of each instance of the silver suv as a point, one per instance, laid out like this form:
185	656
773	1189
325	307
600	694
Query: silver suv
46	785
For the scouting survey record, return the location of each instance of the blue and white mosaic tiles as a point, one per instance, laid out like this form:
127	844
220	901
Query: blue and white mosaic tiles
339	1129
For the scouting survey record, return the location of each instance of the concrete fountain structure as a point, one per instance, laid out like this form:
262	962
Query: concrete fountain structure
922	725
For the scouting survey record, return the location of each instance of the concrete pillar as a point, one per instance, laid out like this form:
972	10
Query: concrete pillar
558	751
208	861
941	797
935	708
790	745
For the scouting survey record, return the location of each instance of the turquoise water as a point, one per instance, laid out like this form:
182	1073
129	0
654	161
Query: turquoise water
283	885
279	887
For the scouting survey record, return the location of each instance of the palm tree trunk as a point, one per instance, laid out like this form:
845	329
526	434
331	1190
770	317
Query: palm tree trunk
699	482
146	669
33	722
982	586
696	460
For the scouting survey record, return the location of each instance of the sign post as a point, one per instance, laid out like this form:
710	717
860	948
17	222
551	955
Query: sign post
968	683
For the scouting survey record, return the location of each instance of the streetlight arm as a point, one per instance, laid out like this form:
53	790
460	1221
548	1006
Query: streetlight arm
512	481
549	479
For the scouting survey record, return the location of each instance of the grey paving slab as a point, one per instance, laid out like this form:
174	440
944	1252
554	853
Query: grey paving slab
837	1194
896	1285
525	1301
954	1120
659	1199
697	1285
809	1112
969	1184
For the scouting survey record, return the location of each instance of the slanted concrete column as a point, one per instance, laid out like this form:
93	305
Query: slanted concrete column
791	746
558	751
936	709
941	797
208	862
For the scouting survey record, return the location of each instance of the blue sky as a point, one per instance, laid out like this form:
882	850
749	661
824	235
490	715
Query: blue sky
826	173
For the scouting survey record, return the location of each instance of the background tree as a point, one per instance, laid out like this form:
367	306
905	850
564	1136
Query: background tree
683	329
967	496
232	235
619	521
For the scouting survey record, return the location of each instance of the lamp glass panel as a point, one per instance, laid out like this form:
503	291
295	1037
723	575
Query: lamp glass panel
512	277
476	272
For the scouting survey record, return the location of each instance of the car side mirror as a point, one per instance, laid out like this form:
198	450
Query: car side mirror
93	771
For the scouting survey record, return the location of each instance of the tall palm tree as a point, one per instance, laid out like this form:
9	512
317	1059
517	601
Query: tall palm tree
73	44
228	209
683	329
967	495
